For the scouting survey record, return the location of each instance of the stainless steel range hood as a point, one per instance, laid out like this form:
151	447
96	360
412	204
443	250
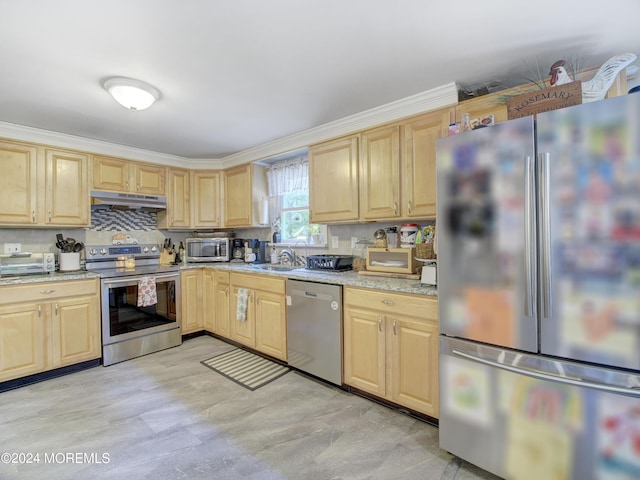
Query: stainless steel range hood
128	200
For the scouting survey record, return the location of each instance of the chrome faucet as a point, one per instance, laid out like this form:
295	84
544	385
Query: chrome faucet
289	253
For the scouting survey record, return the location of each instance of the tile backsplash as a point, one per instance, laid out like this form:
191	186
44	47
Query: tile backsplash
141	225
106	219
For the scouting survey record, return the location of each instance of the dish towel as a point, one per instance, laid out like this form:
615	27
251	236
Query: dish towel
241	309
147	294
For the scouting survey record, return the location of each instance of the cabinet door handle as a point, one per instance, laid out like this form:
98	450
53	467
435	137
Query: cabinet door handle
126	185
395	208
380	323
47	292
388	302
226	292
394	328
33	215
137	187
57	315
39	311
410	206
49	215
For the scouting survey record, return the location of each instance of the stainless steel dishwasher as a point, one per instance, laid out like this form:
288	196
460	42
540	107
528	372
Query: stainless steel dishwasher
314	329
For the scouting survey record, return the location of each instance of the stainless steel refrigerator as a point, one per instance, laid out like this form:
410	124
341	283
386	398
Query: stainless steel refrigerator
539	293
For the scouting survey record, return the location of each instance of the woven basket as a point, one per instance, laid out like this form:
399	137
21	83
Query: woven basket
424	250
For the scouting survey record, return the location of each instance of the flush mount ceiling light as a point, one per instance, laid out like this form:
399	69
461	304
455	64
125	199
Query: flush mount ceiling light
130	93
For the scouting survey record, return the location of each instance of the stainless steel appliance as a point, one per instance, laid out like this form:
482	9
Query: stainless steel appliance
216	249
237	250
255	250
261	253
539	288
127	201
25	263
314	329
131	328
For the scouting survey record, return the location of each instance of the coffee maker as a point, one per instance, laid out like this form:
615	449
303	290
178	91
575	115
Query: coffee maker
237	250
261	254
255	250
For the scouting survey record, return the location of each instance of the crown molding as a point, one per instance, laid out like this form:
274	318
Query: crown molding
435	98
64	140
439	97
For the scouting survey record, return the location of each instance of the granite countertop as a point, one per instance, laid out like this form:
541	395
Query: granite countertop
349	279
47	277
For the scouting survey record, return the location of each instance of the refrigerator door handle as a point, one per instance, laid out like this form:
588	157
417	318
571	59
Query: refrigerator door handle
544	159
529	242
576	381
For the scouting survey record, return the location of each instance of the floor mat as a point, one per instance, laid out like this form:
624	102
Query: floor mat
245	368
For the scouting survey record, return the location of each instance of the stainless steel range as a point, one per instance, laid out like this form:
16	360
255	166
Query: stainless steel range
134	321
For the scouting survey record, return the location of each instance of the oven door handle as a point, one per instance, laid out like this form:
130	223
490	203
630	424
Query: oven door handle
134	280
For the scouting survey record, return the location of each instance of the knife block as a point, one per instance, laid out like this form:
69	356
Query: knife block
167	258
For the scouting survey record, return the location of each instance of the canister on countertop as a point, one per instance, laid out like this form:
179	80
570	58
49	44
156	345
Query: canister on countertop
380	237
408	235
392	237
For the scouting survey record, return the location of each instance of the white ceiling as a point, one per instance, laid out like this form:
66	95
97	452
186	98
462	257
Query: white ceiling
235	74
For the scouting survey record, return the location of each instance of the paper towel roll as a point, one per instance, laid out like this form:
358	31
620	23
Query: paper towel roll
263	211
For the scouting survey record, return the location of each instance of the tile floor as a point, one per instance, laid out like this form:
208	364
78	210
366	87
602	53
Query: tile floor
166	416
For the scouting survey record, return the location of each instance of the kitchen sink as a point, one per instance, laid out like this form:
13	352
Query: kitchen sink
277	268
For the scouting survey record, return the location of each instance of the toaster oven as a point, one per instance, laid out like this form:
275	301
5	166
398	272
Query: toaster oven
208	249
24	263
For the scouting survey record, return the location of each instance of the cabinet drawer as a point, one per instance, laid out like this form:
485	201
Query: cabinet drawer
258	282
221	277
47	291
393	303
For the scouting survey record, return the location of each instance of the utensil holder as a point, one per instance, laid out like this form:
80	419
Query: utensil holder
69	261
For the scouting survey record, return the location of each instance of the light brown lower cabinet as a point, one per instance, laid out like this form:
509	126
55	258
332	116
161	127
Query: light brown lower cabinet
221	304
48	325
264	326
391	347
208	300
191	300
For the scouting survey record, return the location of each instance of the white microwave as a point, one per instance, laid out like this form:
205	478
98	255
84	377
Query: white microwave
208	249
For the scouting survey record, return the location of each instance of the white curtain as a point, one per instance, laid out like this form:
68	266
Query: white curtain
288	176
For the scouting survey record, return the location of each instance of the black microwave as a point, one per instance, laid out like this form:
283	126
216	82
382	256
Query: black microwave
208	249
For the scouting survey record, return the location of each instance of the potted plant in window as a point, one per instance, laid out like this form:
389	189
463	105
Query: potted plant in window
277	237
316	236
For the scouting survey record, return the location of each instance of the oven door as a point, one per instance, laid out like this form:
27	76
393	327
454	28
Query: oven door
122	319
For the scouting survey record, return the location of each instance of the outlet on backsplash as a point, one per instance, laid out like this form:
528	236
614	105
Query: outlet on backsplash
12	247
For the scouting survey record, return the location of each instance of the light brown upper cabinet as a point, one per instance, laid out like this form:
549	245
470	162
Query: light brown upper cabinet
380	173
385	173
205	186
178	212
67	188
418	162
42	187
244	188
333	181
19	183
118	175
